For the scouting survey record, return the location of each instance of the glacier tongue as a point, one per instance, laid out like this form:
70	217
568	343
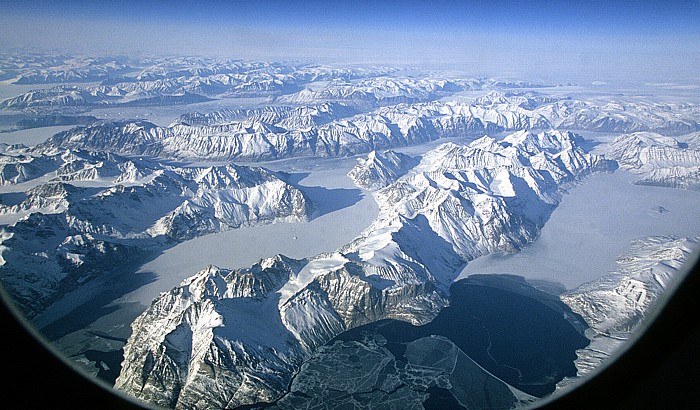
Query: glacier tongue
459	202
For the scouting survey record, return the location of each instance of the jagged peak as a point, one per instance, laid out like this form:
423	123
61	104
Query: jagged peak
646	139
52	190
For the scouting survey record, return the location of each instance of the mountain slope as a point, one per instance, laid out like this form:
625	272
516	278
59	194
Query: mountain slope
659	160
83	212
616	304
231	341
329	127
380	169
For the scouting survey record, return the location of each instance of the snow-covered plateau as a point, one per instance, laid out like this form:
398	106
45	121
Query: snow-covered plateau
222	220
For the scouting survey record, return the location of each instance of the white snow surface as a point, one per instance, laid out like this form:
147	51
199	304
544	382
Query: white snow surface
440	214
594	223
660	160
616	304
263	137
340	213
97	208
226	337
380	169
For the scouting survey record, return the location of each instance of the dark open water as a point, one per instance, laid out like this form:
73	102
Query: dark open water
511	329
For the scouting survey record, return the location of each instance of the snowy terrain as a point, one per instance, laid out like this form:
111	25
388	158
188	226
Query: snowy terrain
375	187
271	134
457	203
381	169
82	213
615	305
660	160
594	223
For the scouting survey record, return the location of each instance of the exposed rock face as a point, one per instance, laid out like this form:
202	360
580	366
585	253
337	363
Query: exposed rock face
198	340
286	117
73	209
379	91
171	82
15	170
227	338
488	196
616	304
43	257
21	165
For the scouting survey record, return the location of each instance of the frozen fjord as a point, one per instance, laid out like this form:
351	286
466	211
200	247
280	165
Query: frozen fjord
342	212
593	224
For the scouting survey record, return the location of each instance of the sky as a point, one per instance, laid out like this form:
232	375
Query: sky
646	40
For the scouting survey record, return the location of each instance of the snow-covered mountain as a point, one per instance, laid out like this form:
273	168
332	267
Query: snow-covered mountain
79	209
40	69
43	257
50	121
488	196
177	81
616	304
132	82
256	139
381	169
21	165
193	360
330	129
616	114
660	160
101	96
16	169
375	92
162	82
227	338
89	201
287	117
528	100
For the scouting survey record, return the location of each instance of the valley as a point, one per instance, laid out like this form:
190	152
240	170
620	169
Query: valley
210	233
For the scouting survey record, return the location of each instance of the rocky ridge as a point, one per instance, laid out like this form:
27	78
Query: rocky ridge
660	160
615	305
459	202
79	211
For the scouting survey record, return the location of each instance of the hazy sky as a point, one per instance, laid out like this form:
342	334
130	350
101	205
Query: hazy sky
648	40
